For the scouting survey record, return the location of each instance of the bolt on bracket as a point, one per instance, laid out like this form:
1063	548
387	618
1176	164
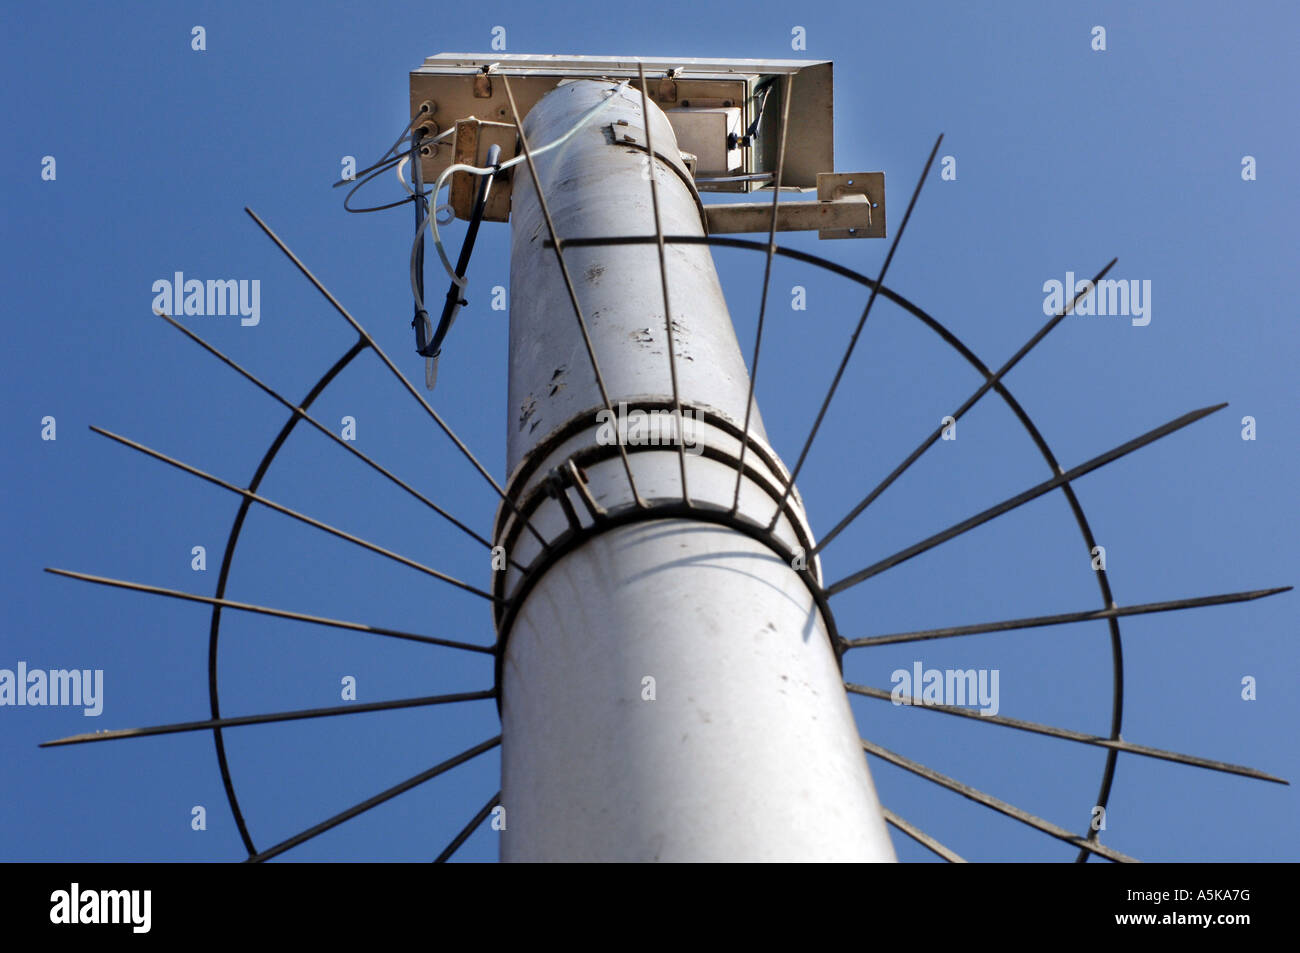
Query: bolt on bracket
849	205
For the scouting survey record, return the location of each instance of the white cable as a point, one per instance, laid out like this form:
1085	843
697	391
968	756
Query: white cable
432	222
407	158
431	219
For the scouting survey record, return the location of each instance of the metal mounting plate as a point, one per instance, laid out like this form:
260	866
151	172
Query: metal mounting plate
464	85
836	185
472	140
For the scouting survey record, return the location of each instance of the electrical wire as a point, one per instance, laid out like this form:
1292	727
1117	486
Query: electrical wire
379	168
452	305
421	320
432	223
428	342
428	339
752	132
374	208
402	136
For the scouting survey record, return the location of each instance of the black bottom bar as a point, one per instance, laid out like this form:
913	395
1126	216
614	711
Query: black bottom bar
908	906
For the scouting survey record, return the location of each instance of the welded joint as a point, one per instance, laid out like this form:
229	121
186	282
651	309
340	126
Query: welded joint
623	134
557	487
483	81
668	86
577	478
569	475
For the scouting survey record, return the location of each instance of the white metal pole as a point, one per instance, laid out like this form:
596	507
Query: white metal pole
669	691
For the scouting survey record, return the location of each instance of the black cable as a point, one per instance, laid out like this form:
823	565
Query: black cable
454	301
376	208
752	132
390	159
388	154
421	212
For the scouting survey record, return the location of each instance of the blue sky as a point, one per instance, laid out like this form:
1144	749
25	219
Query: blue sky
1065	157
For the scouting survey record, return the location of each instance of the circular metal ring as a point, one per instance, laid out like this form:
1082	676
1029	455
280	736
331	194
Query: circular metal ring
934	324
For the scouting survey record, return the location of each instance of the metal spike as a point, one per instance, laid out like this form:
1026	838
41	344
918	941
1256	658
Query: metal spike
971	401
267	610
1067	734
239	720
1021	498
375	801
921	837
310	521
786	84
663	281
848	352
265	388
1087	615
468	829
568	283
356	326
1002	807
